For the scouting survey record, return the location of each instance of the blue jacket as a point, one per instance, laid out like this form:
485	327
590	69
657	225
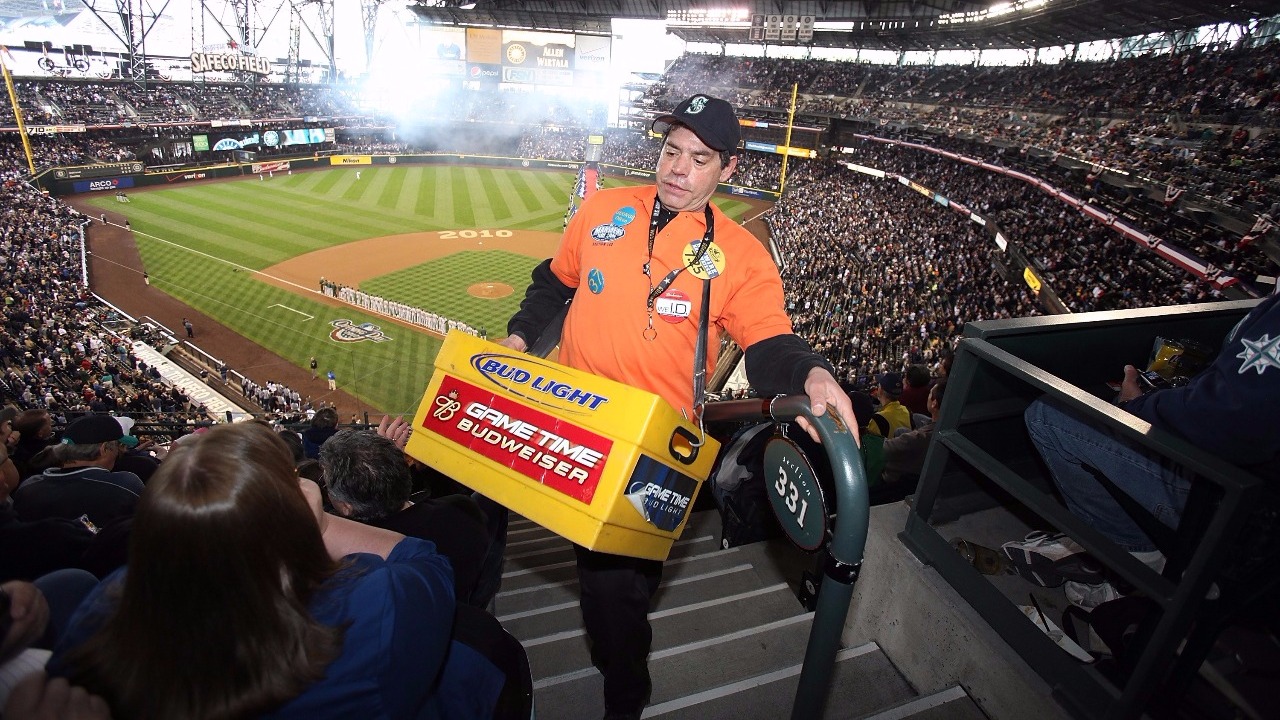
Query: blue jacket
396	660
1229	408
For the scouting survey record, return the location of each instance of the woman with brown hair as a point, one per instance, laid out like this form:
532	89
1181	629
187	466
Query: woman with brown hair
242	598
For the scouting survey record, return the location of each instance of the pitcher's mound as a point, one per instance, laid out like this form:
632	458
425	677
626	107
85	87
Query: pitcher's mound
490	290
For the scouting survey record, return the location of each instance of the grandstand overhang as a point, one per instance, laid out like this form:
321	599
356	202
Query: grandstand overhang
871	24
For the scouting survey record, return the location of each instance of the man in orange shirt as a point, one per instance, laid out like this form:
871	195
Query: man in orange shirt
633	261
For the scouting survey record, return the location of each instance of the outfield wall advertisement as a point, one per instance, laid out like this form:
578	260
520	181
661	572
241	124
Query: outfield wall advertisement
232	170
118	183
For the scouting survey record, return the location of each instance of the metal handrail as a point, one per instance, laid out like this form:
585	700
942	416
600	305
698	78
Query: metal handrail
845	546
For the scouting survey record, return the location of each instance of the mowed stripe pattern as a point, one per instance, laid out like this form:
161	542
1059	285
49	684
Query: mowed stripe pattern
197	241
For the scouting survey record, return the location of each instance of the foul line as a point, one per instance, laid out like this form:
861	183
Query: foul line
286	307
228	262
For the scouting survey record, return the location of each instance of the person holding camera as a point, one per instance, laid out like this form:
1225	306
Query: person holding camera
1240	389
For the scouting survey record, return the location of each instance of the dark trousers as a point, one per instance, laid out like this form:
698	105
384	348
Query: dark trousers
497	518
616	593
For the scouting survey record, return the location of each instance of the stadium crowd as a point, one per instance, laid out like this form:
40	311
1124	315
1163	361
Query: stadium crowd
62	349
997	112
1190	118
878	277
1200	119
88	102
1091	266
56	350
1199	122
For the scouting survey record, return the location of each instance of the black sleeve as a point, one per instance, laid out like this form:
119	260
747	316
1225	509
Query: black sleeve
543	299
779	365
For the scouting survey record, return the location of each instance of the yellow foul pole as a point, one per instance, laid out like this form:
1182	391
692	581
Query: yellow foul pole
17	114
786	151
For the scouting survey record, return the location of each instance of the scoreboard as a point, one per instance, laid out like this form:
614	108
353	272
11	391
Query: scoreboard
781	28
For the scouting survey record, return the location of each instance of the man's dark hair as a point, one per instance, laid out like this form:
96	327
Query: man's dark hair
917	376
325	418
367	472
294	441
30	421
938	389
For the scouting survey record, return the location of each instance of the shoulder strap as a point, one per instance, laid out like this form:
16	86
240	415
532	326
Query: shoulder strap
881	423
700	354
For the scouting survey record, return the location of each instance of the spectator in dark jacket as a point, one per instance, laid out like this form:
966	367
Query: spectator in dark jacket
323	426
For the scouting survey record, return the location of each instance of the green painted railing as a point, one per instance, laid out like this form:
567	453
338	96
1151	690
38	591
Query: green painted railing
846	545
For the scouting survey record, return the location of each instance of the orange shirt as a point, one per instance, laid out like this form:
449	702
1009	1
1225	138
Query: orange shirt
603	253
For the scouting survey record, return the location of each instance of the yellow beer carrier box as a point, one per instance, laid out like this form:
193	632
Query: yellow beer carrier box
605	465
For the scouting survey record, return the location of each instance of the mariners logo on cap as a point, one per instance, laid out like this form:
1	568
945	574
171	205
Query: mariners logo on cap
696	105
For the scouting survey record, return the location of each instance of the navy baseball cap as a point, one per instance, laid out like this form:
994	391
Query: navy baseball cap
711	119
891	383
91	430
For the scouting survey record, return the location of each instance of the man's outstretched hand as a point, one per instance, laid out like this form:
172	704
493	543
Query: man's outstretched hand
396	430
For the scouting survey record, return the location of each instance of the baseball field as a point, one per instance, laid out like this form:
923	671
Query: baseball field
249	253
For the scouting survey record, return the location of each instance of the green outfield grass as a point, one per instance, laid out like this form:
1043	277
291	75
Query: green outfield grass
198	241
444	283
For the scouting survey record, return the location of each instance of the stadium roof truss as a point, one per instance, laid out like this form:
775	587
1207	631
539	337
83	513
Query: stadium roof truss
868	24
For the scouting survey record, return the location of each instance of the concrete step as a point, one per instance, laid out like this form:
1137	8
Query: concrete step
554	608
863	681
685	668
565	650
535	556
952	703
561	585
729	634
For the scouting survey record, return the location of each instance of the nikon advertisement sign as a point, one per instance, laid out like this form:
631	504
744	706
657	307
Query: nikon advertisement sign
229	62
55	129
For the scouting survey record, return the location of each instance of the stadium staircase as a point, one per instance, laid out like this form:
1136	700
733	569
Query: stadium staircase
729	636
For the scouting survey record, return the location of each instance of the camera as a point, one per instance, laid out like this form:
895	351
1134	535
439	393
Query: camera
1152	380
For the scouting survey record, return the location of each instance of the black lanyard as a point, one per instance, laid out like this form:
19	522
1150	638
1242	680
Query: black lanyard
661	287
700	348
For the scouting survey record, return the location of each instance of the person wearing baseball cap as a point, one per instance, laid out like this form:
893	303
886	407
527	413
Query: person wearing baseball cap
136	456
711	119
82	483
646	271
887	391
